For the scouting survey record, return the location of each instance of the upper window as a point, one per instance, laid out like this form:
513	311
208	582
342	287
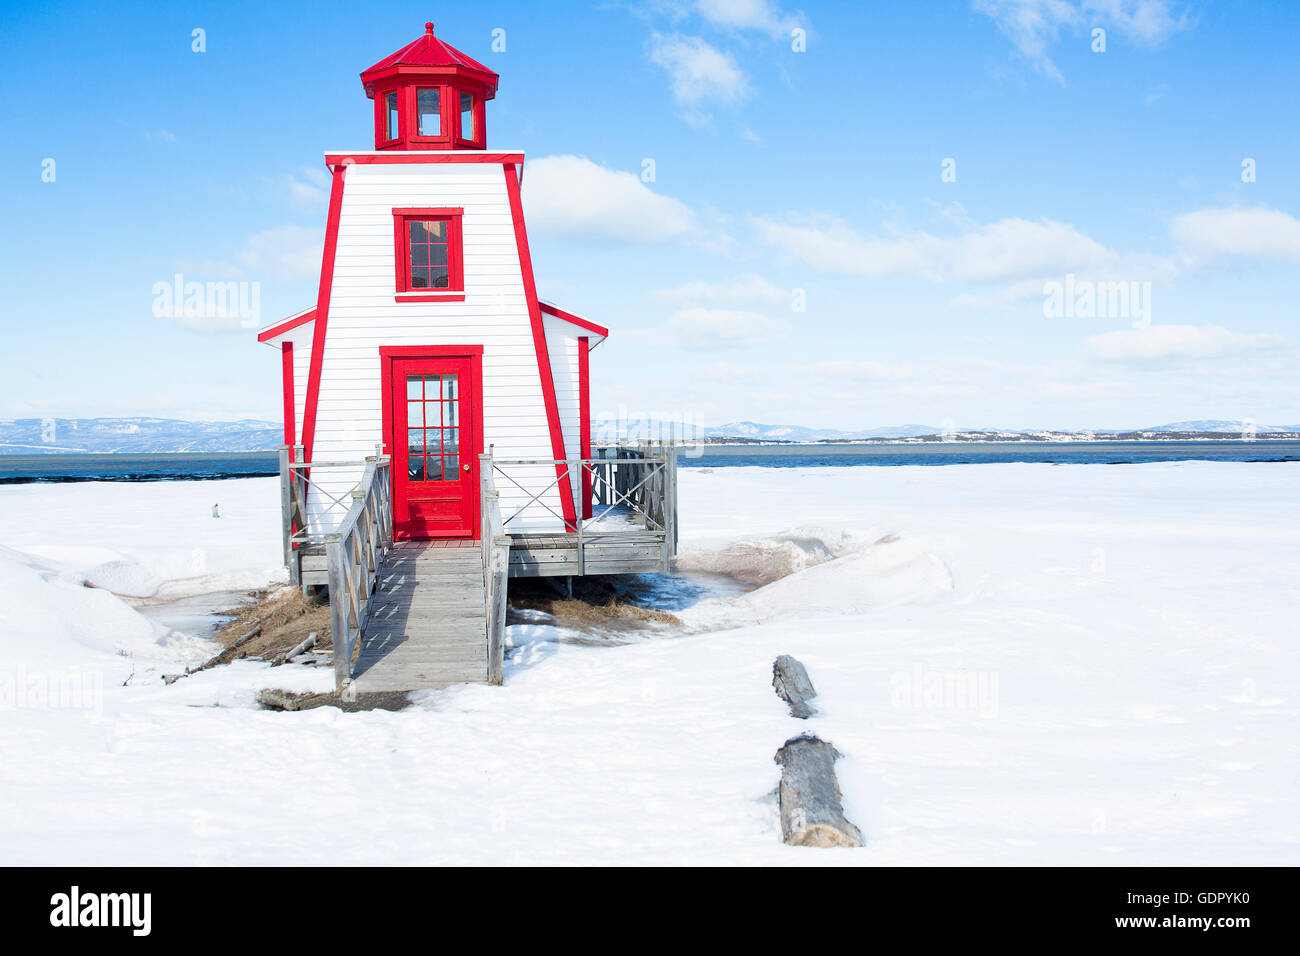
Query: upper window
427	247
390	115
467	131
429	111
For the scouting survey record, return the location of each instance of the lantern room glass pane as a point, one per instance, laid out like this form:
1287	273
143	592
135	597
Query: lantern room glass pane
467	116
390	115
429	108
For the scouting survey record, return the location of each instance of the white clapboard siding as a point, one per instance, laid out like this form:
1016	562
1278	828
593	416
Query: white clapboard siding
363	317
562	346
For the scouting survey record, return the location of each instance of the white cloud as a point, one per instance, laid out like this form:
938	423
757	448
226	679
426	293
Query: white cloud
858	371
748	15
1008	249
309	186
741	289
285	252
1034	26
1260	232
1156	342
572	196
700	72
708	329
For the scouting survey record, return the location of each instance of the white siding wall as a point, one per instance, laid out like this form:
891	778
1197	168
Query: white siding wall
562	346
301	338
363	317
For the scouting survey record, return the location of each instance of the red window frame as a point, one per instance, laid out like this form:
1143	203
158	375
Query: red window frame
476	118
455	291
443	139
381	118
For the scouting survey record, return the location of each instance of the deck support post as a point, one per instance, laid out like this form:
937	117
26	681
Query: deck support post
286	514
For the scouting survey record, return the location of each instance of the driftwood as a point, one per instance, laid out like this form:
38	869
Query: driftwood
793	686
308	642
811	812
225	657
278	700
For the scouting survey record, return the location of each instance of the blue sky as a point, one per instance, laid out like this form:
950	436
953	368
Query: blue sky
780	177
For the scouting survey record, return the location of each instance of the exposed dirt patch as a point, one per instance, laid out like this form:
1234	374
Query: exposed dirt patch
595	602
286	619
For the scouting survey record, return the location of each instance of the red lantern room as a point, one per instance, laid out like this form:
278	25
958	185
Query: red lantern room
429	95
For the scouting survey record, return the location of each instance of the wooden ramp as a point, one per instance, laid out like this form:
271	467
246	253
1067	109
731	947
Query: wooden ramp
428	619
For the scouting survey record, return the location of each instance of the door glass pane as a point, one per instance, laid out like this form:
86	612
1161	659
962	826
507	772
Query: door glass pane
450	418
450	439
414	388
448	388
452	467
415	441
430	114
431	387
415	468
414	418
435	468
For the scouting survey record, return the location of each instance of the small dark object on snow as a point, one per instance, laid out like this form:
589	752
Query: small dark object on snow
794	686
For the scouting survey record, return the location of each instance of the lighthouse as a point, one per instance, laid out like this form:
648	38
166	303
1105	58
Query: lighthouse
428	342
436	411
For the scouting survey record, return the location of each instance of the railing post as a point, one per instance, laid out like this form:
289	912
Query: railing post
286	512
670	502
339	627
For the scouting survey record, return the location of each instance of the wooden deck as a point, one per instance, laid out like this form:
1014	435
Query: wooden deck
413	615
428	620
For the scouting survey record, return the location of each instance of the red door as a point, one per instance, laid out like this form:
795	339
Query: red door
434	444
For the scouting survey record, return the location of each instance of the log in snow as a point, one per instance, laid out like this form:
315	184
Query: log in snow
811	812
300	648
793	686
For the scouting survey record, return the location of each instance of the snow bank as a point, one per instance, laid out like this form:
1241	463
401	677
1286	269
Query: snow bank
1020	664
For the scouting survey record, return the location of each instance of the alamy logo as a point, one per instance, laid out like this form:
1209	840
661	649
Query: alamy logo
102	909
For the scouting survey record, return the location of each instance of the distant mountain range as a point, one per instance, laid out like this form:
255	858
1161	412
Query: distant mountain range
40	436
758	432
36	436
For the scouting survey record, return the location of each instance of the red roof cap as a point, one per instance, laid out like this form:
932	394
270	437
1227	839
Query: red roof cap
438	57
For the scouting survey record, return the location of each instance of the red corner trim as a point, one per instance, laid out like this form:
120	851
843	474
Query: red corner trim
584	420
322	311
286	370
539	345
288	325
581	323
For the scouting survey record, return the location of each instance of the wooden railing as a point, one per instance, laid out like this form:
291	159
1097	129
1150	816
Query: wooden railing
496	568
636	485
354	554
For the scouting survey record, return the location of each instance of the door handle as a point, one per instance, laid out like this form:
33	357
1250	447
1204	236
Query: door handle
467	466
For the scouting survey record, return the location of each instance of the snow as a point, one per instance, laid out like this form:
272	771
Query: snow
1020	663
